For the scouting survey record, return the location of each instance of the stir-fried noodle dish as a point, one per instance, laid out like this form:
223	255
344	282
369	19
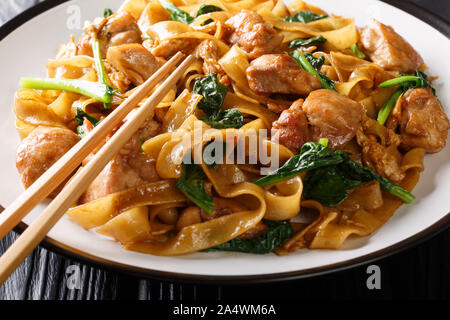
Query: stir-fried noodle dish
293	128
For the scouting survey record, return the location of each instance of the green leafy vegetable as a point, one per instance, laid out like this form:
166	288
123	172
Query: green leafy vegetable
315	62
328	185
312	155
100	67
191	184
214	94
176	14
207	8
305	17
404	82
276	234
231	118
357	52
107	12
306	42
312	64
80	116
330	175
364	174
96	90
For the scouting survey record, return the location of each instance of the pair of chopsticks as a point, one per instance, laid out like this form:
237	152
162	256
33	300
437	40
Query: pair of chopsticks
54	176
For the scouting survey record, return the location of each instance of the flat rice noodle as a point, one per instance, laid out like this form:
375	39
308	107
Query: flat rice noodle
98	212
134	7
340	32
153	13
32	108
207	234
183	107
299	5
129	226
69	68
168	30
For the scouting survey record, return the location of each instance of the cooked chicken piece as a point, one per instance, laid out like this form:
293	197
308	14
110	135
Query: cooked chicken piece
41	149
388	49
252	34
118	79
129	168
116	176
379	158
84	45
277	108
189	216
167	48
119	28
333	116
134	61
223	207
423	122
280	73
208	51
291	128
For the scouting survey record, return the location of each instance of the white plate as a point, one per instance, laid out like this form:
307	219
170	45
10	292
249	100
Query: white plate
25	51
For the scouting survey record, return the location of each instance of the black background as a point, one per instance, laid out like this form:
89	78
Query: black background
422	272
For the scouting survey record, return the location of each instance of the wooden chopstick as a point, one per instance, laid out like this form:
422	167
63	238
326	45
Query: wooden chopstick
61	169
34	234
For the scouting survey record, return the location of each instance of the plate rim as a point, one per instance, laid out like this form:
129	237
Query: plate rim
437	22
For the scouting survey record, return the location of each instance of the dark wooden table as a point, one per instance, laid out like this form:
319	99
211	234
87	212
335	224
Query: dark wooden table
422	272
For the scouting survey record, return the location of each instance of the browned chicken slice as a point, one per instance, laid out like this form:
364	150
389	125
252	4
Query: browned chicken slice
280	73
134	61
251	33
423	122
208	51
119	28
130	167
188	217
116	176
380	158
333	116
41	149
291	128
167	48
118	79
388	49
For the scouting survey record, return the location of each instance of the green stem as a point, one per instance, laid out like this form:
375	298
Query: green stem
400	81
357	52
96	90
323	141
401	193
304	63
385	111
99	66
